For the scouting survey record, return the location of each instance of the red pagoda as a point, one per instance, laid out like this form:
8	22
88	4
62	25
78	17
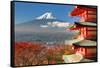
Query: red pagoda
88	29
87	13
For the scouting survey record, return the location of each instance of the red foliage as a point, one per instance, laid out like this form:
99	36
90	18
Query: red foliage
36	53
27	53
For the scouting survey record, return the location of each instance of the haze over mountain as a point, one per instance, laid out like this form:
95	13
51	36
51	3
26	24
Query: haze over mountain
45	27
40	23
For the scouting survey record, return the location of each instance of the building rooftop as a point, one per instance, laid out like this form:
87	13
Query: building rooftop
86	43
87	6
86	24
79	9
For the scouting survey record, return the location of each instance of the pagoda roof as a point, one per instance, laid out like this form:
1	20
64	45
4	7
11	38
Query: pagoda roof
79	9
86	6
90	24
76	11
86	43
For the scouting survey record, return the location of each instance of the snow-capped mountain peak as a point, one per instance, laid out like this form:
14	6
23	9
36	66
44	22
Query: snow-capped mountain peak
47	15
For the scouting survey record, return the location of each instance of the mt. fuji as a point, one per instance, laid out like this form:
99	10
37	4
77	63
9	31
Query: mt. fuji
45	27
41	22
47	15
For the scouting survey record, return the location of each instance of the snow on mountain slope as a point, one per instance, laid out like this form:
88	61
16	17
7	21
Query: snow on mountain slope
47	15
47	20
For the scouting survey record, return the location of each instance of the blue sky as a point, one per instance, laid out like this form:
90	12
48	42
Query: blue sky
29	11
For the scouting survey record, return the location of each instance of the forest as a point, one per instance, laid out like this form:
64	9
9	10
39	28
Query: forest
37	53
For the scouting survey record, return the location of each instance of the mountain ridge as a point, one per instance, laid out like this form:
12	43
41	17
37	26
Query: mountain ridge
47	15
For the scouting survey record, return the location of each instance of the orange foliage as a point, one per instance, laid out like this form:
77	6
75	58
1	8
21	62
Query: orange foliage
27	53
36	53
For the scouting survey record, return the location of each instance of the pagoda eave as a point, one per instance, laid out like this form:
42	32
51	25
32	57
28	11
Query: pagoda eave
86	43
76	12
86	24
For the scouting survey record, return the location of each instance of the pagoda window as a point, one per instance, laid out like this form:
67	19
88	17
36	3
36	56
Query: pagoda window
91	16
81	50
91	12
83	32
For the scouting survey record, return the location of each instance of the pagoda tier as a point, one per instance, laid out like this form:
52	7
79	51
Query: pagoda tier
87	13
87	29
87	48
